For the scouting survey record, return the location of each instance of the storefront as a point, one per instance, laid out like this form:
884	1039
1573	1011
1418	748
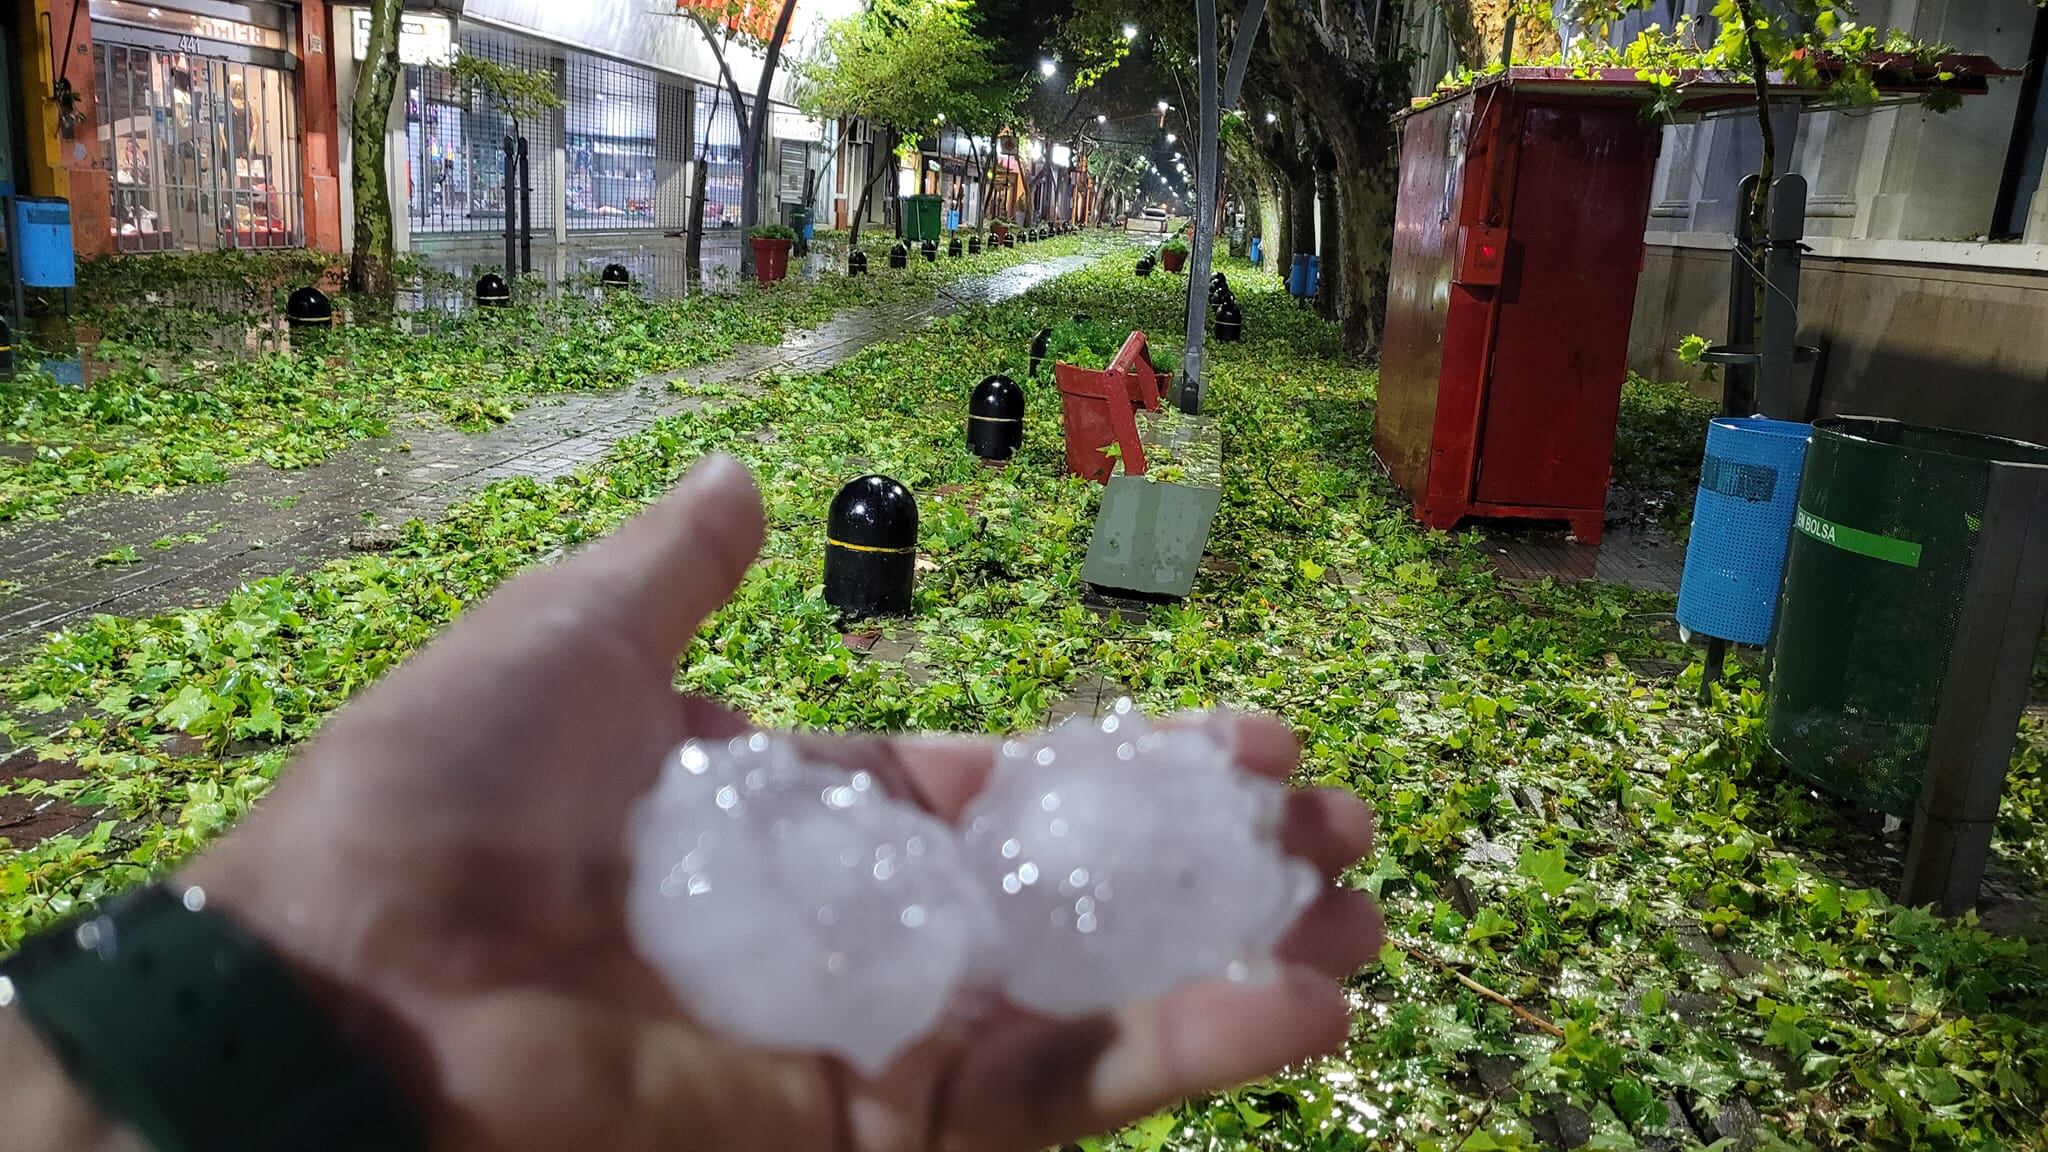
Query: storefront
198	125
455	145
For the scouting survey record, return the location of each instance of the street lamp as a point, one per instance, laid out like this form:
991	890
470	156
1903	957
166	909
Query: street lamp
1130	31
1271	117
1163	105
1101	118
1170	138
1047	67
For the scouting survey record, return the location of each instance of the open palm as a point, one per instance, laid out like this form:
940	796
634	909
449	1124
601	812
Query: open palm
445	869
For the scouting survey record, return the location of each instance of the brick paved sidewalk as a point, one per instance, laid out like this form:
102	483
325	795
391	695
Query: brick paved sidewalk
194	544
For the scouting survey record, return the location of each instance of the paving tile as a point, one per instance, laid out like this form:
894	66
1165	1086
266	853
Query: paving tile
282	521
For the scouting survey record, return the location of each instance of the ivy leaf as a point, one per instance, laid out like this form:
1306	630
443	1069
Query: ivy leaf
1487	925
192	704
1546	866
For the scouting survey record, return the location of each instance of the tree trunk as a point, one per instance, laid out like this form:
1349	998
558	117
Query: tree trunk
1330	246
700	183
1339	76
891	166
1302	193
1272	224
757	135
369	266
860	213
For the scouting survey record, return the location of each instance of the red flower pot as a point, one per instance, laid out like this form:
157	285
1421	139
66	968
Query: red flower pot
771	259
1173	260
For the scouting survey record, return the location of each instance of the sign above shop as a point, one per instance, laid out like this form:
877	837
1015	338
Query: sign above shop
188	26
423	38
797	126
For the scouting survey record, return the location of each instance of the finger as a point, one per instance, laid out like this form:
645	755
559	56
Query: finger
1264	745
1337	935
703	718
672	565
1329	828
1039	1083
938	773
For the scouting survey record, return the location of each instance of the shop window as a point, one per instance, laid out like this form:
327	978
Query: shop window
610	137
202	153
718	134
455	161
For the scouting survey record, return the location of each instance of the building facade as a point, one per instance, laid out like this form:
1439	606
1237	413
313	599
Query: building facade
188	125
645	103
194	125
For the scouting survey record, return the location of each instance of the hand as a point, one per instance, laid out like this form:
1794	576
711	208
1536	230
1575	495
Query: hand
444	869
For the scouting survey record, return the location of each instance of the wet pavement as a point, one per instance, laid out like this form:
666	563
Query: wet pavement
1645	558
196	544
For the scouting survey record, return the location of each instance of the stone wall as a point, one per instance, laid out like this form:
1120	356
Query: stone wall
1950	344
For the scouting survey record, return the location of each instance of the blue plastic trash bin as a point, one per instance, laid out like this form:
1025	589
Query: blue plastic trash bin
1741	527
1256	251
1297	275
42	226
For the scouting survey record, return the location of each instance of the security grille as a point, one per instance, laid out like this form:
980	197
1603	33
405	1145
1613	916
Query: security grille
611	122
202	153
456	145
718	145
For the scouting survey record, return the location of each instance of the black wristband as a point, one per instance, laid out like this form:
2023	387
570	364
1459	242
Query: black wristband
185	1027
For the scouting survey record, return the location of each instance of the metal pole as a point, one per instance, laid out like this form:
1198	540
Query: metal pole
525	211
1192	381
1989	673
511	208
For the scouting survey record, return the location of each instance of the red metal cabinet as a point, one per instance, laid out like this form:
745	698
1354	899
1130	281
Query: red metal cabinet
1517	243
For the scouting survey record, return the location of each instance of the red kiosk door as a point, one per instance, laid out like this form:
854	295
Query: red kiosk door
1582	191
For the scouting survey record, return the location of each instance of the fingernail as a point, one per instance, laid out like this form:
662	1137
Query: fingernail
715	471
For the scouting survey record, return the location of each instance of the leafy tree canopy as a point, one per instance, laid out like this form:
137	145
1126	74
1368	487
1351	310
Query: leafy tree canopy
908	65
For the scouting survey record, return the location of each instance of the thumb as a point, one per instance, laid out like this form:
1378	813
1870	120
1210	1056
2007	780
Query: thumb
675	563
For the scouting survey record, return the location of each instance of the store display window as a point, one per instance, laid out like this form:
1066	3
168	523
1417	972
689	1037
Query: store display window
455	148
610	126
202	152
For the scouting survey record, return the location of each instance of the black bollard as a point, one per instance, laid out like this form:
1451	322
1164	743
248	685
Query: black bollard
6	351
995	418
492	291
1009	239
953	248
974	245
1039	344
871	548
1229	322
1144	266
930	251
616	276
309	307
857	264
1219	287
899	256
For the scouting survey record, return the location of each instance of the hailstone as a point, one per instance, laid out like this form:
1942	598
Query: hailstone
794	905
1125	860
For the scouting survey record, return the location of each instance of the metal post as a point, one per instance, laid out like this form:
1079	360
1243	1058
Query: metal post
525	213
1989	674
511	208
1776	344
1192	380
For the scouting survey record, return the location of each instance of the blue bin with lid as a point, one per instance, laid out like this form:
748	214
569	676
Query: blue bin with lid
1742	527
42	230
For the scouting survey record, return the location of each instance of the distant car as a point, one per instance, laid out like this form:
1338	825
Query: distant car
1155	212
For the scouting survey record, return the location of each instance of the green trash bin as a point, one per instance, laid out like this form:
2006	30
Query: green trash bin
1883	546
924	218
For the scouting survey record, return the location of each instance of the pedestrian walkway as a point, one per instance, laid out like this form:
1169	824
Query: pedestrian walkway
195	544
